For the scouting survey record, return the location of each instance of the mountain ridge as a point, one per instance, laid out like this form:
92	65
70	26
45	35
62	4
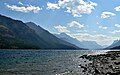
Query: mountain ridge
47	36
114	45
14	34
81	44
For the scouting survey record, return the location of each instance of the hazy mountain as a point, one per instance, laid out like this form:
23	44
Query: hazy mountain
51	40
104	46
91	45
69	39
114	45
83	44
16	34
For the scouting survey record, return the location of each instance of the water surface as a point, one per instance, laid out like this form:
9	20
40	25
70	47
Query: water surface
41	62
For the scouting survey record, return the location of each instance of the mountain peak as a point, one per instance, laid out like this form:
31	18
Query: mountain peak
31	23
63	34
116	43
28	36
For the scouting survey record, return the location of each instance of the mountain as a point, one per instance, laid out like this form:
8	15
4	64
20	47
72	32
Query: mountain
51	40
69	39
91	45
114	45
104	46
14	34
83	44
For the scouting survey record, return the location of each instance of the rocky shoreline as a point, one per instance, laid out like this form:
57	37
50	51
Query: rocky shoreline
102	64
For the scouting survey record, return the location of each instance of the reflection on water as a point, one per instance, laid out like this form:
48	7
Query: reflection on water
41	62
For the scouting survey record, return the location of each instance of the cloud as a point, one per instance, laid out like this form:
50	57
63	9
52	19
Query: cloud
117	25
117	8
52	6
61	28
83	36
107	14
20	3
115	31
76	24
103	27
97	23
75	7
25	9
99	38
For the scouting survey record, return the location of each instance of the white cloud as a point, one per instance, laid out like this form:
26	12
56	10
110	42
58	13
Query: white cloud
103	27
76	24
83	36
20	3
99	38
97	23
52	6
30	8
94	31
117	25
117	8
75	7
61	28
107	14
115	31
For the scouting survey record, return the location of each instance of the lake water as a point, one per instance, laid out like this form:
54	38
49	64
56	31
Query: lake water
42	62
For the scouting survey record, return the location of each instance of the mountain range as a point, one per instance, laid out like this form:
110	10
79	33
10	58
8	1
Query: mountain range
14	34
51	40
69	39
81	44
91	45
114	45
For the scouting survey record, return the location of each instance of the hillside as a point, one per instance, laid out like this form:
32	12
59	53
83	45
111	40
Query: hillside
14	34
81	44
114	45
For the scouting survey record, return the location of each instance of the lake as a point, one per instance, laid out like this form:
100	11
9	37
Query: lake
42	62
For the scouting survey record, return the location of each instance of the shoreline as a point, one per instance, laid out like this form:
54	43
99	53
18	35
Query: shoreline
107	63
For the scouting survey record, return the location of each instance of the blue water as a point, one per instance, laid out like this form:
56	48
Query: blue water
40	62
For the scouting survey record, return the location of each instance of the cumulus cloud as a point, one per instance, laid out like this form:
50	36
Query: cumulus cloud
107	14
29	8
115	31
75	7
61	28
103	27
117	8
76	24
20	3
52	6
83	36
117	25
99	38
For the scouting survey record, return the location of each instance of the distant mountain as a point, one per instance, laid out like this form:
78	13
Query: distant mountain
83	44
15	34
114	45
91	45
104	46
69	39
50	39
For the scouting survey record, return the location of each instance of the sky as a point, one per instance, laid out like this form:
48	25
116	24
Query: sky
85	20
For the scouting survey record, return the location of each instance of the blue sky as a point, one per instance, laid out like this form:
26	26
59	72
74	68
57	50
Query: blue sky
90	20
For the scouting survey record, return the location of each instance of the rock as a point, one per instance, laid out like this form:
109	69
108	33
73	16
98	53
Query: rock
103	64
96	71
